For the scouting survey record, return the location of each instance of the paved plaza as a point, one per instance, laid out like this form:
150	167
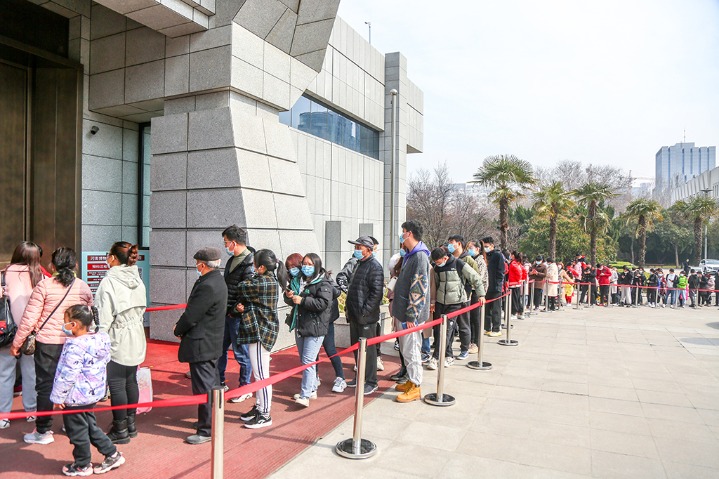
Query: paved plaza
596	392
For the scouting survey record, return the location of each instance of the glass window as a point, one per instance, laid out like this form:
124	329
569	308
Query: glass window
144	186
313	117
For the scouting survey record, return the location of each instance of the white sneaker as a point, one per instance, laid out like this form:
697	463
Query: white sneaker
302	401
4	423
448	362
312	396
240	399
339	386
37	438
380	364
30	419
432	364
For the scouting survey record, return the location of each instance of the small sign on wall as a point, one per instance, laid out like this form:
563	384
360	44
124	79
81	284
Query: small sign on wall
94	268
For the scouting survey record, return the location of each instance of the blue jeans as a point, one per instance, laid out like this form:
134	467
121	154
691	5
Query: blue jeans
232	326
330	350
672	296
308	349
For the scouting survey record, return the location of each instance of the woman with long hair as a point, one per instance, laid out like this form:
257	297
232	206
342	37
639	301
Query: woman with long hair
21	276
310	294
259	326
121	301
44	315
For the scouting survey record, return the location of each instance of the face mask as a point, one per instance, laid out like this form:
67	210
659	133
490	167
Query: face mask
294	271
66	331
199	273
450	248
487	249
440	265
357	254
401	238
537	263
402	253
308	271
374	254
229	252
472	252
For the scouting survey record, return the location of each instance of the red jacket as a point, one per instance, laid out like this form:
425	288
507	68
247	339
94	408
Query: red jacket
603	276
517	273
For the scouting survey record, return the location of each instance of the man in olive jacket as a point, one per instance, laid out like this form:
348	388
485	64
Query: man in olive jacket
364	297
201	329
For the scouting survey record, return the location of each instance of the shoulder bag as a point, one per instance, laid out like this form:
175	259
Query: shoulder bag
8	328
28	346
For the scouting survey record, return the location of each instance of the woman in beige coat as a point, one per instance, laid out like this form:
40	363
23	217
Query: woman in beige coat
48	302
121	300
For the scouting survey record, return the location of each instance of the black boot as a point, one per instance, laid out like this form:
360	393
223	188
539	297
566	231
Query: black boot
118	433
131	429
396	377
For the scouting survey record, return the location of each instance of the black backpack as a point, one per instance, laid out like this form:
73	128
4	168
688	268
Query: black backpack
8	328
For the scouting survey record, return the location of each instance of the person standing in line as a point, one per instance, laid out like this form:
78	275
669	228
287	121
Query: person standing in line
516	278
538	273
682	283
44	315
625	280
79	384
239	268
694	283
456	247
604	278
671	280
552	284
200	329
257	301
652	283
495	271
613	288
362	308
344	278
121	300
310	295
476	251
411	306
21	276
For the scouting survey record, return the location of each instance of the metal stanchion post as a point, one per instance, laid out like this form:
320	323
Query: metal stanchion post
576	296
441	399
507	341
217	399
479	363
356	447
636	297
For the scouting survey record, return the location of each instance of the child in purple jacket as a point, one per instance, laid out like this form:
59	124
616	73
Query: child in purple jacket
80	382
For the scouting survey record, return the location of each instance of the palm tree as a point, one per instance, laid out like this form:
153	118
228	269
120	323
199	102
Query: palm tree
700	209
644	212
509	177
591	195
551	201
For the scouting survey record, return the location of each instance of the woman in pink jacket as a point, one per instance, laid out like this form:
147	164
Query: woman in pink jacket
48	302
21	276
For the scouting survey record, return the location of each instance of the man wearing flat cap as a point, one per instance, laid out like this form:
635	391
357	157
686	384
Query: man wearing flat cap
201	329
364	296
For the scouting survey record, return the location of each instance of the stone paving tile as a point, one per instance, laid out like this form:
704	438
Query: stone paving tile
596	392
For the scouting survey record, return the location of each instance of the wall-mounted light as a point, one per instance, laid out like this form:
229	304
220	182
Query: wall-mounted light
94	130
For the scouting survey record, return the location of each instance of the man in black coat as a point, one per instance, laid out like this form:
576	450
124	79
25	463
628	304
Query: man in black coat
201	329
364	297
495	271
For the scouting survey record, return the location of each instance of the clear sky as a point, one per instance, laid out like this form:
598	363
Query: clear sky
602	82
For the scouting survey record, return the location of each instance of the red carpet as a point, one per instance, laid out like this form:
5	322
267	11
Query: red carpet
159	450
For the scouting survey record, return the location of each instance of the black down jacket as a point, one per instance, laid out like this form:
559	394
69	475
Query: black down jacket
242	272
313	313
365	292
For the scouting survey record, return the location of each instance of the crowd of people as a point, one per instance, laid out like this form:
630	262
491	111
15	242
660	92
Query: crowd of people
70	346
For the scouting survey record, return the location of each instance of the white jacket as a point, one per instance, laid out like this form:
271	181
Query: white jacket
121	300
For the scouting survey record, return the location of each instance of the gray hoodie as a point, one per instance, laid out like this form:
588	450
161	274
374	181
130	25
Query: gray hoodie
121	300
411	292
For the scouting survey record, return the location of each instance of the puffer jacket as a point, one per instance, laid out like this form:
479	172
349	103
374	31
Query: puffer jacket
495	270
448	283
121	300
313	313
517	274
45	296
365	292
537	273
81	376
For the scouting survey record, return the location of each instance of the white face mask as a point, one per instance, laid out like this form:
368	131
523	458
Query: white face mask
487	249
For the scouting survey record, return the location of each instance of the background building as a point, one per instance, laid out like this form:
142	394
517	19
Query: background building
159	123
675	165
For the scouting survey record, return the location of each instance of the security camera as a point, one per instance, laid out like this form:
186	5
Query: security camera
94	130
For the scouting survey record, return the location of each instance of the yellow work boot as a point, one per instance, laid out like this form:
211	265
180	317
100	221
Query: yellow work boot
411	394
404	387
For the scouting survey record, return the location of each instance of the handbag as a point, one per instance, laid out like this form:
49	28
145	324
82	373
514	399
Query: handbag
8	328
28	346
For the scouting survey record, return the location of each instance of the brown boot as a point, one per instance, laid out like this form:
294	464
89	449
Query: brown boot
412	394
404	387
